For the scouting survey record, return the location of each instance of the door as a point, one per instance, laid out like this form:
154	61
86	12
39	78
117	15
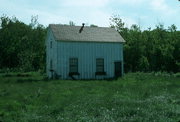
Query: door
118	69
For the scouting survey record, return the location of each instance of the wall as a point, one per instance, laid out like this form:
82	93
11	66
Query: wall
87	52
51	53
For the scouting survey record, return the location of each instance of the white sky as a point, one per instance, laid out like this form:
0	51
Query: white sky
146	13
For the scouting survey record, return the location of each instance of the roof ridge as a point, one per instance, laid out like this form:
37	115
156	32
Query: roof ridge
79	26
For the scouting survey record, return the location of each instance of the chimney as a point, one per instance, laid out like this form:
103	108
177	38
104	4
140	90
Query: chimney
81	28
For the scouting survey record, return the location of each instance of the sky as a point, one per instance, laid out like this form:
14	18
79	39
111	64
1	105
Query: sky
145	13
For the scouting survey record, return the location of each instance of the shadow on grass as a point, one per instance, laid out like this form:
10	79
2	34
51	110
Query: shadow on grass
44	79
17	75
27	80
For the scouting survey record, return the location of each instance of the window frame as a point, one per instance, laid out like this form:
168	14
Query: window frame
73	63
99	65
51	64
51	44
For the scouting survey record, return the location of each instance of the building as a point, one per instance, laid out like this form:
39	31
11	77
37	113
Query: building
81	52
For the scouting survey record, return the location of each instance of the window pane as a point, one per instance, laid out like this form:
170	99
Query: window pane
73	65
51	44
51	64
100	69
100	65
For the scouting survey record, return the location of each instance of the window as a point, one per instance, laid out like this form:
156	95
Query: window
51	65
51	44
73	65
99	65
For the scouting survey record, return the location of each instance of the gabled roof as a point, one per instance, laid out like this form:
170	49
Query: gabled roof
89	34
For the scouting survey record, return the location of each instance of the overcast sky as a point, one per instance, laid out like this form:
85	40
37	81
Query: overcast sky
146	13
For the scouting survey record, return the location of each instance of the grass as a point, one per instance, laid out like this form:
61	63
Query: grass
135	97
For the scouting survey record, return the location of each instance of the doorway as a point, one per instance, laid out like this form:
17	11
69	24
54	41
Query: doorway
117	69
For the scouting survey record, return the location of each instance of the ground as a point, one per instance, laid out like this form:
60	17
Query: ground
136	97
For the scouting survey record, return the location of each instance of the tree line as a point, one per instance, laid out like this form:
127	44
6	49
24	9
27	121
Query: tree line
149	50
22	46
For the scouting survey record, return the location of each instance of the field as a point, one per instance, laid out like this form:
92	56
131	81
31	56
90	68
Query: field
135	97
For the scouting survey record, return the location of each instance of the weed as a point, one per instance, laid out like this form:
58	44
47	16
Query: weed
135	97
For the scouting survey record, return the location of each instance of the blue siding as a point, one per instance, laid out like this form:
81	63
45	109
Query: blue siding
87	52
51	53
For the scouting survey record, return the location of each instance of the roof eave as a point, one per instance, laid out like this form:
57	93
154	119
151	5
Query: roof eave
90	41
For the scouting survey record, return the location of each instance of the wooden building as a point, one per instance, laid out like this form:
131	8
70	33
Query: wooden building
81	52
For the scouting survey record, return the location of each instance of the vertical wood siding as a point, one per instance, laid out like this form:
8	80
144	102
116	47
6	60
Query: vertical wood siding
87	52
51	53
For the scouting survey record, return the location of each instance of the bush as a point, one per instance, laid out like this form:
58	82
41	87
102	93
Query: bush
177	75
144	64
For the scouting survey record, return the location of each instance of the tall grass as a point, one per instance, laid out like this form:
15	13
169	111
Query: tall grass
135	97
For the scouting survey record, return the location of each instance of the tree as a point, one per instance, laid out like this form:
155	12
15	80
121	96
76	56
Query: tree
71	23
22	45
149	50
117	23
92	25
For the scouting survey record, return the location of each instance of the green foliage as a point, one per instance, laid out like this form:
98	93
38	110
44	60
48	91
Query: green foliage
116	22
149	50
92	25
135	97
144	64
22	46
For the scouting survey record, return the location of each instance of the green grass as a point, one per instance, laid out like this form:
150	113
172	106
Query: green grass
135	97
